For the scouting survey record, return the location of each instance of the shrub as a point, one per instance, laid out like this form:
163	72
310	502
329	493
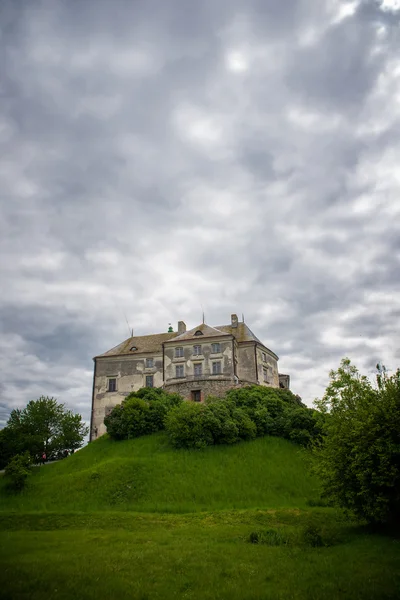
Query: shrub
17	471
311	536
358	460
189	426
272	537
141	413
242	415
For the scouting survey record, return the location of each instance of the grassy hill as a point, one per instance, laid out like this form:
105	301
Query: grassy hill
139	520
147	475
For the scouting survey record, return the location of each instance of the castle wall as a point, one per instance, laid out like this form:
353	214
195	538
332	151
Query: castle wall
246	365
206	358
214	387
267	368
130	373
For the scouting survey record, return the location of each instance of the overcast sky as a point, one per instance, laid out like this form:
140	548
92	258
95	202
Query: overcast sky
160	156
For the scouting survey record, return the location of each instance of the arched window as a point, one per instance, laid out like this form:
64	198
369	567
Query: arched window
198	332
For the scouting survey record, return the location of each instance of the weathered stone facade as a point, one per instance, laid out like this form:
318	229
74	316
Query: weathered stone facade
197	363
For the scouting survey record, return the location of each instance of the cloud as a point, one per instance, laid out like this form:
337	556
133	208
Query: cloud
157	161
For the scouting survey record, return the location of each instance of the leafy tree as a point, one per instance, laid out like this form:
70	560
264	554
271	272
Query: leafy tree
43	425
358	459
73	431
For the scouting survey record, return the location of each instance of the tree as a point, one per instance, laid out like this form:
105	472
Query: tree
43	425
358	459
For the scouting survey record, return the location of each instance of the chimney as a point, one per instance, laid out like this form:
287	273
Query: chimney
234	320
181	327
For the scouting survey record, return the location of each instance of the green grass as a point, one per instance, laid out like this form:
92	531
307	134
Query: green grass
139	520
147	475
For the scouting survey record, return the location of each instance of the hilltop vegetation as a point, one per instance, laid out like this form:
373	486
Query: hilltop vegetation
243	414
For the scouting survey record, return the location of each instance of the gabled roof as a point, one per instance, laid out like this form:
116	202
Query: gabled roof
153	343
242	333
143	343
206	332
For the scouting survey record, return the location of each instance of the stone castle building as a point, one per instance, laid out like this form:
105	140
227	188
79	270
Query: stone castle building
197	363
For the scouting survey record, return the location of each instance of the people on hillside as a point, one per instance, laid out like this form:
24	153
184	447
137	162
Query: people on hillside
44	458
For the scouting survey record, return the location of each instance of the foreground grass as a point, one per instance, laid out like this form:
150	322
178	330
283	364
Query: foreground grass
140	520
146	475
207	556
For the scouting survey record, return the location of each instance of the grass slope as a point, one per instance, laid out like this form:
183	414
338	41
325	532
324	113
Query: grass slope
147	475
142	521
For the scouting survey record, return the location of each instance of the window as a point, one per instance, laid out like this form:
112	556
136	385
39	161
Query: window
216	368
198	332
264	356
179	371
196	350
133	348
267	373
112	385
198	369
196	395
216	348
149	363
149	381
178	352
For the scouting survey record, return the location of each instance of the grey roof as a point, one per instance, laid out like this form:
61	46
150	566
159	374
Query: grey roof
153	343
206	331
242	333
143	343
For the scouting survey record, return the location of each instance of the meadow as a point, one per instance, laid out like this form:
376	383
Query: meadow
137	519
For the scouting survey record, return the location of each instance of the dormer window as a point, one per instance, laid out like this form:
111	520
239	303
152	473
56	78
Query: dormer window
198	332
133	348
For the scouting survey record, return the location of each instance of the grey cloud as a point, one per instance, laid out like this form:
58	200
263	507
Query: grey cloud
143	179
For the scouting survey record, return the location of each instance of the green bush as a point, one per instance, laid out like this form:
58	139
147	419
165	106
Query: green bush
17	471
243	414
358	459
141	413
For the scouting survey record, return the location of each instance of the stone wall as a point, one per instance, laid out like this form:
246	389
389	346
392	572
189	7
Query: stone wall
209	387
206	358
284	381
266	361
246	366
130	373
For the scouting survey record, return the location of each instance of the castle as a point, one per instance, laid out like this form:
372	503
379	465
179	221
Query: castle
197	363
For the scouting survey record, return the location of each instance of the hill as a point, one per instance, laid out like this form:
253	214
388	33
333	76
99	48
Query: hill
137	519
147	475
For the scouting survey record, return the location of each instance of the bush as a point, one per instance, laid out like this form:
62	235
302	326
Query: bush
141	413
358	459
189	427
17	471
243	414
